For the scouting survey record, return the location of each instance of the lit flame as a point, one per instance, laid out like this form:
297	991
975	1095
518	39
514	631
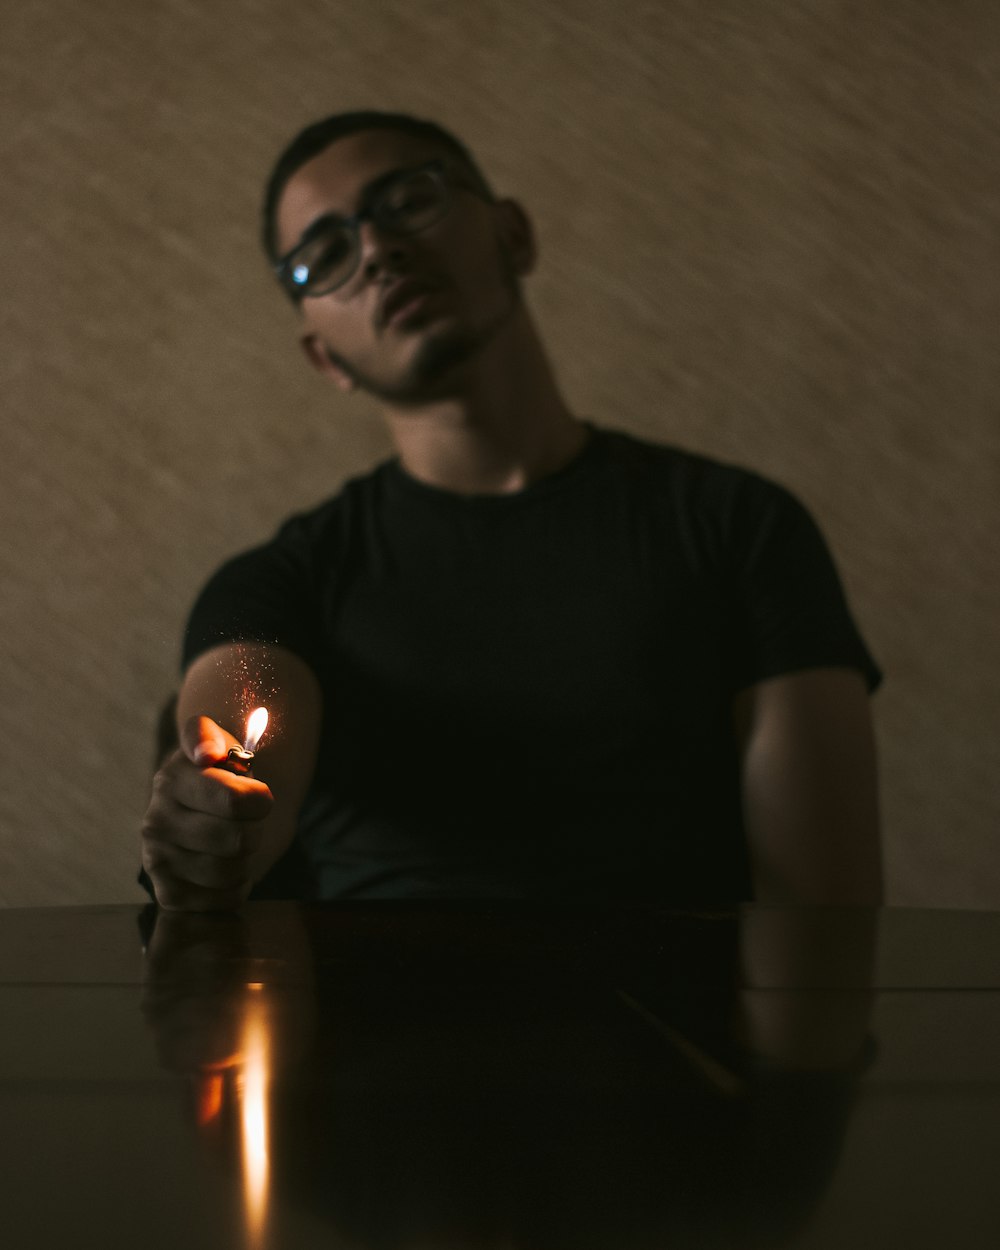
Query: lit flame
254	1121
256	724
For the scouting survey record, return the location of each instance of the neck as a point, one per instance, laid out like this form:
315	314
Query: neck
504	426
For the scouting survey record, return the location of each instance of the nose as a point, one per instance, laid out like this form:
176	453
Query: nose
380	252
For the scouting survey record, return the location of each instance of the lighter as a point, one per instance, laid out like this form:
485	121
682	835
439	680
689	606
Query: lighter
240	758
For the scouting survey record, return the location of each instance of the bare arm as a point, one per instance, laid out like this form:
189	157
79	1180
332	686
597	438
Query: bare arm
209	834
809	786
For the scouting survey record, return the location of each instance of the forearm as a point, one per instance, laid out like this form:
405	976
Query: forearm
810	791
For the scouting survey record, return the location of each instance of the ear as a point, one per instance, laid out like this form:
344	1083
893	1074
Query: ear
518	236
324	361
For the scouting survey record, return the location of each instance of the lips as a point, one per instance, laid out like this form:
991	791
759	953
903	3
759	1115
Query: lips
398	297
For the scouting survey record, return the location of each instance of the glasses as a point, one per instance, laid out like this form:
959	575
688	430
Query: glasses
404	203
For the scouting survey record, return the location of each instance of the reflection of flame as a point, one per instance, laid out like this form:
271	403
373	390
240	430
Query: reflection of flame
254	1118
256	724
211	1088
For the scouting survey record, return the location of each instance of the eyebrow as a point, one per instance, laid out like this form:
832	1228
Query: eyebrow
368	193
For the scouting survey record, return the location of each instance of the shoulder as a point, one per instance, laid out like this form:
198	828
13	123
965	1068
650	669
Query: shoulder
680	467
713	495
312	541
277	591
333	519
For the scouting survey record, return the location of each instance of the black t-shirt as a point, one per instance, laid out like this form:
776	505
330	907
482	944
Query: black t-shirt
530	695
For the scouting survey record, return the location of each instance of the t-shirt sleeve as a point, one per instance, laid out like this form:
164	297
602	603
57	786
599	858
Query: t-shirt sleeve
265	595
789	608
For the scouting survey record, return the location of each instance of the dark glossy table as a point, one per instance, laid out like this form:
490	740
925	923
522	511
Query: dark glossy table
402	1075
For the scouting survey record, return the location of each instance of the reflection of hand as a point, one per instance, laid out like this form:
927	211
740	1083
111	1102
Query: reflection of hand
192	989
808	975
204	976
202	825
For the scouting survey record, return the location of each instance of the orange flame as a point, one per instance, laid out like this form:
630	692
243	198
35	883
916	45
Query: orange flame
256	724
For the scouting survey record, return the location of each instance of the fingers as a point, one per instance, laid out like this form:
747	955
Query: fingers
211	791
207	872
205	742
195	880
173	894
192	881
189	803
205	833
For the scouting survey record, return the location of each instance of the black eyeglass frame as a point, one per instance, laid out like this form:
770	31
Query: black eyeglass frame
446	177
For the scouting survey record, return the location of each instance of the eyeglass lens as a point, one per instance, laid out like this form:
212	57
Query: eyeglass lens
409	204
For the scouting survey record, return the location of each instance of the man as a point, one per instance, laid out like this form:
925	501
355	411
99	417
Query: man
526	657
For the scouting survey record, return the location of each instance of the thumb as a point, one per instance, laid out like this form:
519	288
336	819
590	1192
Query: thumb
204	742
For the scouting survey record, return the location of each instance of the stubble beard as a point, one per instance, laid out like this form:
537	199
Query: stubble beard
436	368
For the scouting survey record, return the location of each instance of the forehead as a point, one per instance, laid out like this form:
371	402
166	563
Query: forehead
334	179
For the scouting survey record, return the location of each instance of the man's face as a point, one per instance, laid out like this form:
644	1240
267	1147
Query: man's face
420	307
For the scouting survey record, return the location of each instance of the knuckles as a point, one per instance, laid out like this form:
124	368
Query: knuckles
198	883
227	842
174	895
212	791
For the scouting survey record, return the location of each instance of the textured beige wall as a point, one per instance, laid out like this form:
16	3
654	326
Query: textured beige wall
770	231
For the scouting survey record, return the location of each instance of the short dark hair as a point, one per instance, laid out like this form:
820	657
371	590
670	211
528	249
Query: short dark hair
318	137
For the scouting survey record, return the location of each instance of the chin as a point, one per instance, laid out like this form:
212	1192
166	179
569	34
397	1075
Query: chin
437	360
439	355
432	372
